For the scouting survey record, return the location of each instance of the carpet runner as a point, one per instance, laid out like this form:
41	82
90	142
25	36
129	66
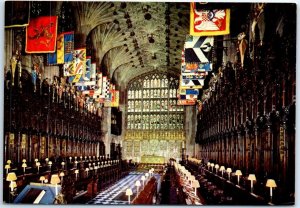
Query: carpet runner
115	194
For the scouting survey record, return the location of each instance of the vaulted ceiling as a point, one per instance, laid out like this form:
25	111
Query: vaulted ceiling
131	38
128	39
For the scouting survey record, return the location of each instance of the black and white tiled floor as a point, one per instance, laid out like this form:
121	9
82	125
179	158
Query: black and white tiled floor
112	194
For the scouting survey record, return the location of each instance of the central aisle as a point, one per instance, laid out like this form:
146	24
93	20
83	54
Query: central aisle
116	193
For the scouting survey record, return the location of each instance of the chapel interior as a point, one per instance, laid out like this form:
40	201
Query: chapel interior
149	103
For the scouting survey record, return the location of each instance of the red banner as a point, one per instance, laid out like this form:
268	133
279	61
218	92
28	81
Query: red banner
186	102
209	22
41	35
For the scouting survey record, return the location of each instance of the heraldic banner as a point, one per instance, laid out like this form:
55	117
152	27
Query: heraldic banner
209	22
41	35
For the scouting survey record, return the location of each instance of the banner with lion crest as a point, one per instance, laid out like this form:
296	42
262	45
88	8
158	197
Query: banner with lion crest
41	35
209	22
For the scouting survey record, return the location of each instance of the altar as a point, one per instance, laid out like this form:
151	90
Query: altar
153	159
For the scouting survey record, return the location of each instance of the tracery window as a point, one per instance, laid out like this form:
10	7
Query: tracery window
152	103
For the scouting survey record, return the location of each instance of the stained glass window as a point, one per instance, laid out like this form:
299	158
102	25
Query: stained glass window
151	103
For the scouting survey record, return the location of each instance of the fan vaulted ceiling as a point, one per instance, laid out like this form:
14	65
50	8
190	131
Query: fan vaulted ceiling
132	38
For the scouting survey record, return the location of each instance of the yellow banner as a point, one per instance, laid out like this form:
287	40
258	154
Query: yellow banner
115	99
60	51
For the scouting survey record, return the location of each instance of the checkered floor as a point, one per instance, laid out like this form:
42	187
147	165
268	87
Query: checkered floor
115	194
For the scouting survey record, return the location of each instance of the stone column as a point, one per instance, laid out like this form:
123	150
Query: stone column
8	47
190	129
106	129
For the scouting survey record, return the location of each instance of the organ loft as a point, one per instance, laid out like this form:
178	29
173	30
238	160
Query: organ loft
149	103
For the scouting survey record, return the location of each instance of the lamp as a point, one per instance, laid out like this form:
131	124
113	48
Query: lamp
24	161
212	167
191	178
128	193
38	164
42	178
46	180
222	169
70	158
143	179
24	165
63	165
76	164
217	167
187	174
195	185
137	184
208	165
12	185
55	180
228	170
8	162
11	177
62	174
47	159
7	167
272	184
76	173
36	160
252	178
50	164
238	173
87	172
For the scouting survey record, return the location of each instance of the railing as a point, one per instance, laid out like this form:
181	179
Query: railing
222	190
74	185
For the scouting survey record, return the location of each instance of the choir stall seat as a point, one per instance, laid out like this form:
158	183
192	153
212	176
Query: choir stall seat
147	194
